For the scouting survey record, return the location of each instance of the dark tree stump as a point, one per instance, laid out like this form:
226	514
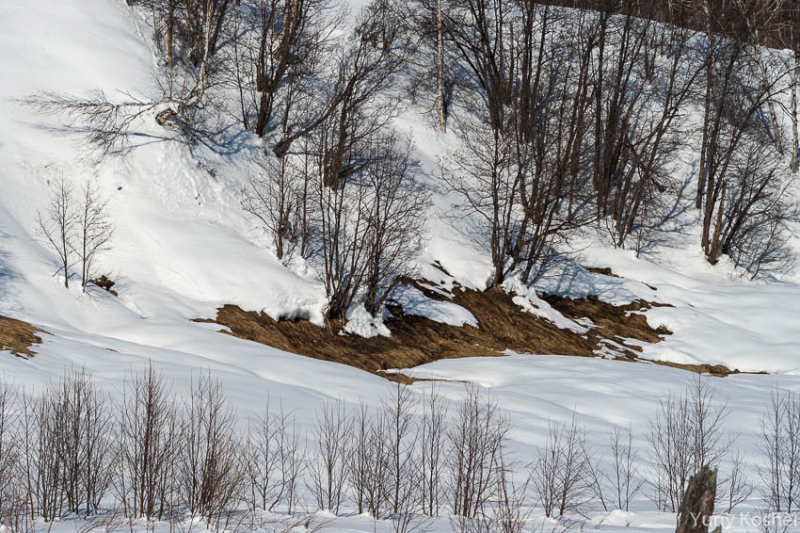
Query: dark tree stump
698	502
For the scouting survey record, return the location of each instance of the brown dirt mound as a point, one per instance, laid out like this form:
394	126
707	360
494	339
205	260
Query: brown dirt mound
18	337
417	340
719	371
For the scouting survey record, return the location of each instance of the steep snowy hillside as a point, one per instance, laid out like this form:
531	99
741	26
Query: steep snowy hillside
184	247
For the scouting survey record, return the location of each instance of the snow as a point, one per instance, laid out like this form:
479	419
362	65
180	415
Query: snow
750	326
183	247
414	302
363	324
530	302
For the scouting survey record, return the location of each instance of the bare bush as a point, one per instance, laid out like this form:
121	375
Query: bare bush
475	444
209	471
328	464
10	494
737	488
42	439
780	446
508	510
87	444
686	434
377	479
432	433
262	462
561	475
148	445
359	456
292	461
625	479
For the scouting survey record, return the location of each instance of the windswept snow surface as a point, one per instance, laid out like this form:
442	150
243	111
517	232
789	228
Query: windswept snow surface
183	247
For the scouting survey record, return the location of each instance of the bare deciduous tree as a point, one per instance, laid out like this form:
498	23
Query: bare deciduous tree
737	487
780	446
625	479
561	475
686	434
263	454
9	456
432	431
95	230
328	463
87	442
57	224
148	445
209	470
475	439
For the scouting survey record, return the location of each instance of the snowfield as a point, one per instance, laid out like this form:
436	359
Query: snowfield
184	247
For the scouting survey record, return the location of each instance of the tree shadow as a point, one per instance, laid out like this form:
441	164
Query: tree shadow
7	275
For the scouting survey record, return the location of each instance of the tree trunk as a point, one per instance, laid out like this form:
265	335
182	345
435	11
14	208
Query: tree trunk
773	117
442	106
795	141
698	502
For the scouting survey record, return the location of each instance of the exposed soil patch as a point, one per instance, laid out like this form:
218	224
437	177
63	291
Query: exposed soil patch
18	337
604	271
719	371
616	323
416	340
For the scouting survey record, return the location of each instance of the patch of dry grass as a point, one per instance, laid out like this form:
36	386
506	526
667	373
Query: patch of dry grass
18	337
416	340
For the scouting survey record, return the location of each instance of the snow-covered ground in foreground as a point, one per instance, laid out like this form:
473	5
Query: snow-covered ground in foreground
183	247
611	522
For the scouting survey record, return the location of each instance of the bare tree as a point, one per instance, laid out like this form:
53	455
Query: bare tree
9	455
754	213
209	470
95	230
625	479
432	432
360	456
399	410
57	224
277	52
475	442
328	461
148	445
107	123
87	442
425	19
262	462
364	65
738	487
780	446
369	225
561	475
686	433
271	199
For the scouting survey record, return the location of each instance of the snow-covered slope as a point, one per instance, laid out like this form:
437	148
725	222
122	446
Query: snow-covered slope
183	247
